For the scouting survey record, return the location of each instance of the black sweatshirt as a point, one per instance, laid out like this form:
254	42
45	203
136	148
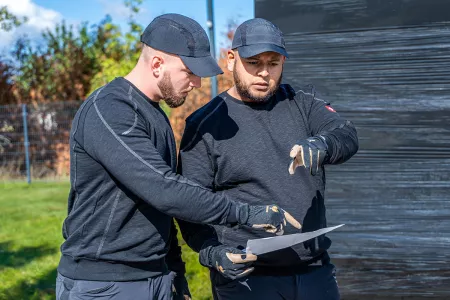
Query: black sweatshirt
241	150
124	189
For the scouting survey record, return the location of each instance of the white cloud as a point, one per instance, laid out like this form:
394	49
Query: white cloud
39	18
116	9
120	13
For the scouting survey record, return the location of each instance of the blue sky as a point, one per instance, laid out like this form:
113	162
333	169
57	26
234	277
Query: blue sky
45	13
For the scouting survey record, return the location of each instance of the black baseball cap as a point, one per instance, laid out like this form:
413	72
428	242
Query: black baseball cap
180	35
256	36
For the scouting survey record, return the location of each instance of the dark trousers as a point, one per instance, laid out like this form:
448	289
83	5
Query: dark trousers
317	284
159	288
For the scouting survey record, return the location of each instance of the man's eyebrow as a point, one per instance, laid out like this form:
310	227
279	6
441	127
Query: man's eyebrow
275	58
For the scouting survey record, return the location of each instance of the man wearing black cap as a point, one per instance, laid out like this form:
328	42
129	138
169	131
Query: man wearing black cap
247	144
124	189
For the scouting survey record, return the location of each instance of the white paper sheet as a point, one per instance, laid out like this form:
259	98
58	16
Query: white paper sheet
265	245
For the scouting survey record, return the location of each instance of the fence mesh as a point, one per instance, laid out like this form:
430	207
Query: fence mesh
48	127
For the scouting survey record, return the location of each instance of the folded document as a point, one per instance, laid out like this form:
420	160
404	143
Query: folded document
265	245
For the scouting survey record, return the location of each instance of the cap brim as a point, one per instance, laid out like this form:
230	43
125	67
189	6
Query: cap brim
255	49
202	66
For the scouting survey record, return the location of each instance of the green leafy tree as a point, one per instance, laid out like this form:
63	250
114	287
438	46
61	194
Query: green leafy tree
122	51
8	21
6	83
60	69
71	62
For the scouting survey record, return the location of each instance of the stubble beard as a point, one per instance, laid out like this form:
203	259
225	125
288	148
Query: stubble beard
168	92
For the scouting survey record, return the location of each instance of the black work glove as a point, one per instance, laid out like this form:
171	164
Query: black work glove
231	262
310	153
180	288
271	218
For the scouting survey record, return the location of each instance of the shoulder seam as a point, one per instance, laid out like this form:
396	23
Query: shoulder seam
314	97
130	97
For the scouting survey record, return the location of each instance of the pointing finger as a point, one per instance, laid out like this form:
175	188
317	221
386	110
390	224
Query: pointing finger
294	151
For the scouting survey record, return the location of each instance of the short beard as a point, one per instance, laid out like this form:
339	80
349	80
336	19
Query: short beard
244	91
168	92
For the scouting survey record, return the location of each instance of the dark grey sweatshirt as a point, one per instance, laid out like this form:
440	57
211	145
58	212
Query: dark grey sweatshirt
124	189
242	150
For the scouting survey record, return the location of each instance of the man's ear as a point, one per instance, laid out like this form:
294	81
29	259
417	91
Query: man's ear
231	60
157	65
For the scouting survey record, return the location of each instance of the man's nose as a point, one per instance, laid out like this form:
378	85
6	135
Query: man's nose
196	81
263	72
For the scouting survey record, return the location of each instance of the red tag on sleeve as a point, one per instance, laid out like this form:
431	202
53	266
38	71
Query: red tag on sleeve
330	108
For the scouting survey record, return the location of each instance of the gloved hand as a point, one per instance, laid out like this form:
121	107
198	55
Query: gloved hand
231	262
310	153
271	218
180	288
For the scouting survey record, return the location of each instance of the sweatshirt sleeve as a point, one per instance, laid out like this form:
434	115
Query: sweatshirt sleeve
195	159
173	257
339	133
195	163
198	236
115	134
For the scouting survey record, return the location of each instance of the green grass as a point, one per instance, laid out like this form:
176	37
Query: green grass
30	237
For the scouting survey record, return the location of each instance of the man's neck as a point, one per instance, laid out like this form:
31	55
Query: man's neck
138	79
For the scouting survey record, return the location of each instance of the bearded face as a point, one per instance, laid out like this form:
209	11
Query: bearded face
257	78
245	90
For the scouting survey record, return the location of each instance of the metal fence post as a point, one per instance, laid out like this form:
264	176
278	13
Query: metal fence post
210	24
26	142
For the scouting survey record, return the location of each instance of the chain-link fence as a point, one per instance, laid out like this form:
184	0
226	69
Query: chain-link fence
34	140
